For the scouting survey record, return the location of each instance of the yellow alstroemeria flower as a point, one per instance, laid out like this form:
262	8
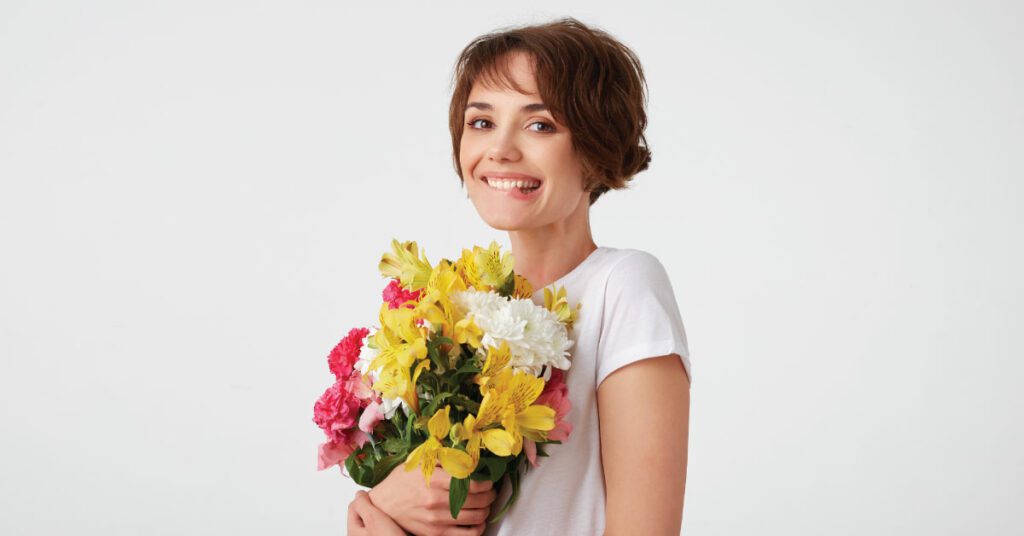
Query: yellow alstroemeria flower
467	270
399	338
396	382
520	416
556	302
467	332
456	462
400	344
493	267
434	304
497	360
406	263
485	428
523	288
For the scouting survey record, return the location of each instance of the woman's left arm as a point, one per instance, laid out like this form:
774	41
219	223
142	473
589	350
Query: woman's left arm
644	412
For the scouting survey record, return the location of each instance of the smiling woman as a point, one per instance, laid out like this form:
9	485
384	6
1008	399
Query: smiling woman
544	120
517	161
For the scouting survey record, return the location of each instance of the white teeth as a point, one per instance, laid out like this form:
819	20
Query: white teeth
508	184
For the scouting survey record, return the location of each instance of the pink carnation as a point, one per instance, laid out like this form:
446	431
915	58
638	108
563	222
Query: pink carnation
337	413
396	296
346	353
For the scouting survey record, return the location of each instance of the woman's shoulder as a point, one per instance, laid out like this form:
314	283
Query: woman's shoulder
634	264
628	274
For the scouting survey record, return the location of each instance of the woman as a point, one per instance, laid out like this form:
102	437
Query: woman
544	120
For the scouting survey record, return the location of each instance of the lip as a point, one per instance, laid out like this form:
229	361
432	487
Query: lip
509	175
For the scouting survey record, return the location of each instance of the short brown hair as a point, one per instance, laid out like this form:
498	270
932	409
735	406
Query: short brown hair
591	83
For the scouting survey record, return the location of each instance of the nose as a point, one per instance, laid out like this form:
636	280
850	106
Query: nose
503	147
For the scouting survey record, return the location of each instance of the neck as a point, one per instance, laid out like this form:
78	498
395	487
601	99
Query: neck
544	254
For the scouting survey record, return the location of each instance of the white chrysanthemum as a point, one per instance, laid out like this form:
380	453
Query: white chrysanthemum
477	300
532	332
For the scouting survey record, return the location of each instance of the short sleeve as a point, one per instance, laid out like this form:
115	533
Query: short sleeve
641	318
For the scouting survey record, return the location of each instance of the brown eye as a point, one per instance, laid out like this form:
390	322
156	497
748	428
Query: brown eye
546	127
475	121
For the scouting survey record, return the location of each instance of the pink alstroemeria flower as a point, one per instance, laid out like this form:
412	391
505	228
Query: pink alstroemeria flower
555	396
334	452
372	415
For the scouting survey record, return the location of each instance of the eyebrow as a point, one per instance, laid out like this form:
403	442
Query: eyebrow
536	107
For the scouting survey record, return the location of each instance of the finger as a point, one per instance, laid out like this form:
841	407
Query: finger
354	521
476	486
440	479
364	508
473	530
467	516
361	501
480	500
443	479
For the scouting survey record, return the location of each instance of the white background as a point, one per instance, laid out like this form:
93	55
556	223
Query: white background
194	197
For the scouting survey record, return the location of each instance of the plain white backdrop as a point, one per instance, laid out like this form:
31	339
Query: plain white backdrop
194	197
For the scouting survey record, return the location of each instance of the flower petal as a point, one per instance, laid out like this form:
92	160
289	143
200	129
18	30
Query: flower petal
498	441
537	417
456	462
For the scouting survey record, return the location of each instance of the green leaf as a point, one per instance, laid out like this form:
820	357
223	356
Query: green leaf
458	490
508	287
350	464
391	427
434	404
383	468
466	403
395	444
495	467
362	474
513	476
469	366
439	360
409	421
361	470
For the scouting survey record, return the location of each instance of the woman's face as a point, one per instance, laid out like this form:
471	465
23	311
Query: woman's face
510	136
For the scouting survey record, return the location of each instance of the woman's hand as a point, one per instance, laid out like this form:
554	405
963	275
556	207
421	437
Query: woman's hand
365	519
405	498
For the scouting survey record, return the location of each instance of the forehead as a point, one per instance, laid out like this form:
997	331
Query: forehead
502	79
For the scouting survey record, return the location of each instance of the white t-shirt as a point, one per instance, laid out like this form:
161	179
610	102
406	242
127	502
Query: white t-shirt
628	313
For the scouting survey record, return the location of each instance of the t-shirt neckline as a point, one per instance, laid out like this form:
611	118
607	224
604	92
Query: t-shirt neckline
571	273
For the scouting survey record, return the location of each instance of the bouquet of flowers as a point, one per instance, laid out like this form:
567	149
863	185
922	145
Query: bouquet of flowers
475	366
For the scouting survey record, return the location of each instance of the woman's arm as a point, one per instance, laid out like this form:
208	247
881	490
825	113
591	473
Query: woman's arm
644	412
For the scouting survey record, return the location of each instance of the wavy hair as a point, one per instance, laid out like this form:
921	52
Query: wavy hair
591	82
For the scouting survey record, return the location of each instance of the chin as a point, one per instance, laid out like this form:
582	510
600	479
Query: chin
497	219
503	224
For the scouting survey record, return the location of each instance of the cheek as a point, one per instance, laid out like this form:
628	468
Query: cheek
468	155
569	167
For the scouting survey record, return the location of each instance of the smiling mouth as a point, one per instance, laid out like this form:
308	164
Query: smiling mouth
522	186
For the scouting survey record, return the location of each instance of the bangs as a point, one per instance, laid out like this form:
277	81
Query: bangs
494	71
